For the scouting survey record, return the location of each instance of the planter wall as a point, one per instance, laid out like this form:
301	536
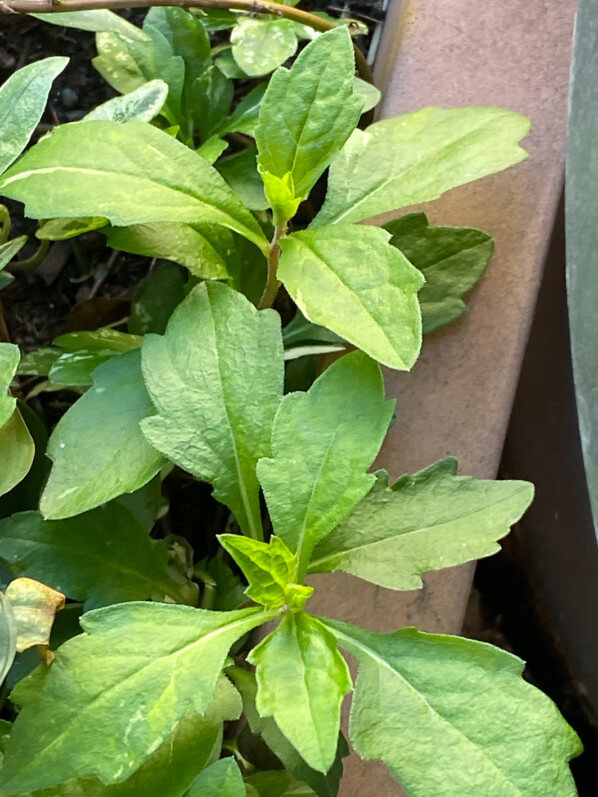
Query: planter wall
458	398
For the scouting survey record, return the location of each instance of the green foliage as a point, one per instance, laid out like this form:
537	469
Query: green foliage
216	382
307	114
22	100
97	448
101	557
270	570
376	309
132	688
424	522
467	702
302	680
94	21
451	259
261	45
144	104
222	779
193	392
129	173
417	157
323	441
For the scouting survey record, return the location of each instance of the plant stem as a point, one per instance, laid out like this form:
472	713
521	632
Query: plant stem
273	283
251	6
5	224
33	261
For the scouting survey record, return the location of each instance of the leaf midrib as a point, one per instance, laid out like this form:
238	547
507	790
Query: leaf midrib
100	697
352	642
401	175
422	530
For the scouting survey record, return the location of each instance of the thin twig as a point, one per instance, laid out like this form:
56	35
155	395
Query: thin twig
272	283
251	6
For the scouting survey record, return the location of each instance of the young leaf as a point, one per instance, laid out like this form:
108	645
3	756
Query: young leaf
222	779
212	149
439	709
17	450
101	557
216	380
186	36
375	308
95	21
129	174
418	156
34	606
323	785
429	521
97	447
143	104
8	637
10	249
261	45
102	339
117	691
125	62
307	114
269	568
22	101
323	441
302	680
9	362
180	243
64	229
452	261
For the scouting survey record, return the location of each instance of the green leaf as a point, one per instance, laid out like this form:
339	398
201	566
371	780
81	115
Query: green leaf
95	21
261	45
302	680
307	114
324	785
301	332
143	104
97	447
180	243
9	362
22	101
9	249
245	117
452	260
101	557
278	783
222	779
17	451
116	692
228	66
429	521
418	156
76	369
443	710
125	62
130	174
186	36
269	568
101	339
211	97
368	92
323	441
38	362
157	296
212	149
375	308
8	637
216	380
240	172
64	229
